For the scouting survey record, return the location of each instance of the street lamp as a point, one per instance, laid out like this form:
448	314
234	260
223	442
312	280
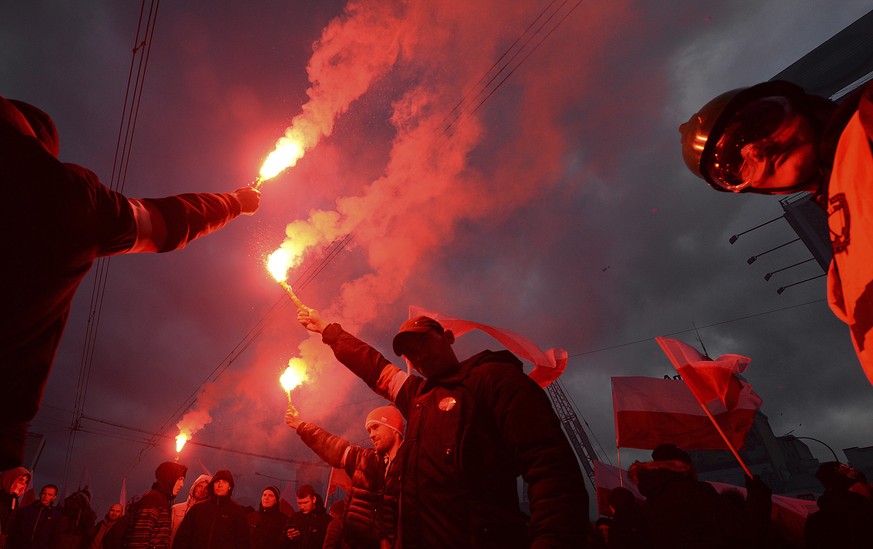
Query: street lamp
792	437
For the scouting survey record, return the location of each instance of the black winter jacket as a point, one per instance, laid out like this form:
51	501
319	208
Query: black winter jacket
34	526
371	508
312	527
469	436
267	527
218	523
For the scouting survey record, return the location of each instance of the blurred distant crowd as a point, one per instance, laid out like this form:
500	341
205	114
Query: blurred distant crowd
667	507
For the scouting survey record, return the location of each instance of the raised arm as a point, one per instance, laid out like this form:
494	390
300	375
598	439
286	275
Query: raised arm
170	223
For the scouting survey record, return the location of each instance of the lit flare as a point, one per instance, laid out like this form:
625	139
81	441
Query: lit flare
181	439
278	264
289	149
291	378
285	155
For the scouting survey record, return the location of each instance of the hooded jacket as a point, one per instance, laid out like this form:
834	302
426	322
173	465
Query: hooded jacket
76	521
180	509
59	219
8	500
217	523
469	435
150	523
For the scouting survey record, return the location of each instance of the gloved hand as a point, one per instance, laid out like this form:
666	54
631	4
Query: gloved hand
249	199
756	485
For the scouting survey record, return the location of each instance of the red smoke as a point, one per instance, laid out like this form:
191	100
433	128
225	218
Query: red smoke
429	57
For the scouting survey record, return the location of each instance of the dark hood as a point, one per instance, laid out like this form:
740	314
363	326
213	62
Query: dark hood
166	476
7	478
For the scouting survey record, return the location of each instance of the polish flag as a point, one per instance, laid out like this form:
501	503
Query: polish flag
338	479
708	379
651	411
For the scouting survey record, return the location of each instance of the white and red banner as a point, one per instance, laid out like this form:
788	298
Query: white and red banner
548	365
651	411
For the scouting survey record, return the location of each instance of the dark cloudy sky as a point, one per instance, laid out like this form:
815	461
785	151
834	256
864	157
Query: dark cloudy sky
559	209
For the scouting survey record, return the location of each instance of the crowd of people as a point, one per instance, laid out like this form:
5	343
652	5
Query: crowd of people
674	509
208	519
670	508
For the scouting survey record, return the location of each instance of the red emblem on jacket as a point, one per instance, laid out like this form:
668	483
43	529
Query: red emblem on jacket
447	404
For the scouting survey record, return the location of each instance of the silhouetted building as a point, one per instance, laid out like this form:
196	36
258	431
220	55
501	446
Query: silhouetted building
784	463
861	458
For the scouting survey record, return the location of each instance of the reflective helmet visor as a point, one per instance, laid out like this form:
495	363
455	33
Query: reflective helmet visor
747	146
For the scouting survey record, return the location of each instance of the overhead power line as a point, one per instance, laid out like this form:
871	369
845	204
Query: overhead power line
544	24
158	436
123	147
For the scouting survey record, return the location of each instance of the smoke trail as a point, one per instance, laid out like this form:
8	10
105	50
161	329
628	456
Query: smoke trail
431	182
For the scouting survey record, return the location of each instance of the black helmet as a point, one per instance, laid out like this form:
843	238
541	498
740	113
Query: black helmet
705	127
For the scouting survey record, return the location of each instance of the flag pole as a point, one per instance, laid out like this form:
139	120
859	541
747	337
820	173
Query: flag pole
662	344
723	436
620	476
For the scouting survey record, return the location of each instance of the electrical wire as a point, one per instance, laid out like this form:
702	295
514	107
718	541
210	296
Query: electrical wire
123	149
121	163
507	68
313	269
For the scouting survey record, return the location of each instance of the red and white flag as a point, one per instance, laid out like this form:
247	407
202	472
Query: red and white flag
338	479
651	411
548	365
708	379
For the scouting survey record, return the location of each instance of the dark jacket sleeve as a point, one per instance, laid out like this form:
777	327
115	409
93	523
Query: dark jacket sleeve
365	362
179	219
329	448
532	431
242	538
185	534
